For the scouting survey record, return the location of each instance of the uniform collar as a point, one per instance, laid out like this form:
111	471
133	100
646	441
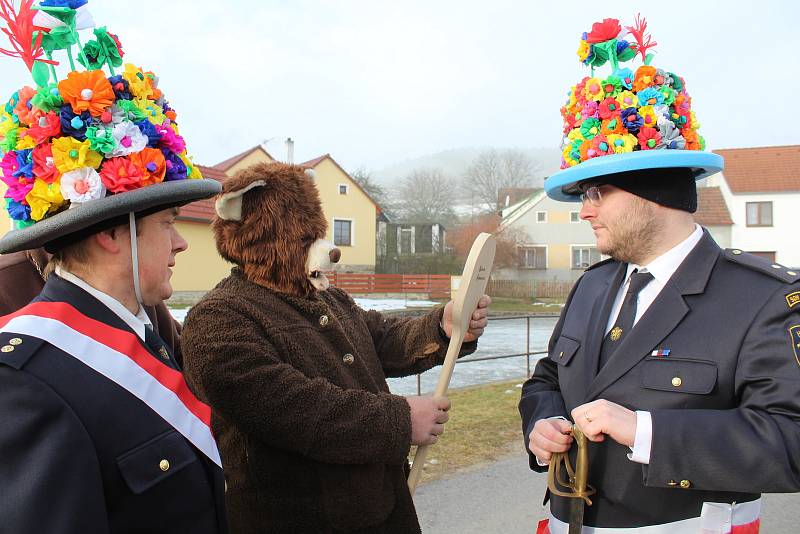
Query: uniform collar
663	267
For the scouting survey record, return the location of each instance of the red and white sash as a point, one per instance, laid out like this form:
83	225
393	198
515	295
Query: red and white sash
715	518
119	356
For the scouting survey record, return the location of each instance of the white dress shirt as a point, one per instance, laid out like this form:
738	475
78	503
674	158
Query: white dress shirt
662	268
137	322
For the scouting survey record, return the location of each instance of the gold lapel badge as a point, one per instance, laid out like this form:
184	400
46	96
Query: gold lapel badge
616	333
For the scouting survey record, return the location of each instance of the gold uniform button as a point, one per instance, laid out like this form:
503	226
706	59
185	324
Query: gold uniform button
323	320
776	266
15	341
561	354
348	359
685	484
671	483
7	348
790	273
164	465
677	381
736	251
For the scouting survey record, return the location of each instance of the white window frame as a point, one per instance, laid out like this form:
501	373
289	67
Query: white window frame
586	246
346	190
537	217
352	231
577	216
546	257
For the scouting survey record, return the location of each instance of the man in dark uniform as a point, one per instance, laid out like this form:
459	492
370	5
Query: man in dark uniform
99	433
678	360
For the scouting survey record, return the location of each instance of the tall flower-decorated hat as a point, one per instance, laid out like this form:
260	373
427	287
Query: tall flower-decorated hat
82	149
623	122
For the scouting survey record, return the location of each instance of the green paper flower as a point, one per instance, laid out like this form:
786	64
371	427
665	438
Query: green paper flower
9	142
101	51
132	110
59	38
47	98
101	139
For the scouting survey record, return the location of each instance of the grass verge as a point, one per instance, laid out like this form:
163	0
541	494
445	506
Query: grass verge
484	426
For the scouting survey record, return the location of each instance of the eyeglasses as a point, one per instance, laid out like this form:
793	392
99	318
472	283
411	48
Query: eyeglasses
592	195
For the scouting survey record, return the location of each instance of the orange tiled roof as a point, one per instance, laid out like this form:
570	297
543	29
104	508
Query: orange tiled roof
769	169
202	210
230	162
711	208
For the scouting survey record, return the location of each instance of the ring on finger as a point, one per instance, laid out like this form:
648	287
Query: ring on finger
586	416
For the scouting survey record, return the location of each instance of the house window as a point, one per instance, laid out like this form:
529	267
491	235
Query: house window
533	257
584	256
574	216
343	189
541	216
342	232
406	240
759	213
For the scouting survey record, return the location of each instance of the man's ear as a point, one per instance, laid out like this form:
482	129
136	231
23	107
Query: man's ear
112	240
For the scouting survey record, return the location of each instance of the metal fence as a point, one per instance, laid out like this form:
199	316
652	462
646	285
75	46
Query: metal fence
527	353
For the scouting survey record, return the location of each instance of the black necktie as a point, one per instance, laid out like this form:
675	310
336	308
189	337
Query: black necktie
626	315
160	348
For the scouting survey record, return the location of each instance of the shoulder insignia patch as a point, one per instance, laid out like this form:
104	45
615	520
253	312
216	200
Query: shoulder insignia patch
793	299
16	349
794	336
762	265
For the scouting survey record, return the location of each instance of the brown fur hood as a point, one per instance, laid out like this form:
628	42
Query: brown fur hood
268	216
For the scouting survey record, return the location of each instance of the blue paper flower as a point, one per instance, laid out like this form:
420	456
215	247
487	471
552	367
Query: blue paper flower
74	125
176	168
631	120
650	97
72	4
121	87
17	211
149	130
25	162
626	77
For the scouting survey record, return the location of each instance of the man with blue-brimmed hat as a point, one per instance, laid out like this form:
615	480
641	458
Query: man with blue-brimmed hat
679	361
100	432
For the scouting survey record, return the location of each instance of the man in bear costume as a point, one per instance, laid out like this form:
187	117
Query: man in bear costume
295	372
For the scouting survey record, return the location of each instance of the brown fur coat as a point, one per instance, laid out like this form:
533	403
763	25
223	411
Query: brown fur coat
311	439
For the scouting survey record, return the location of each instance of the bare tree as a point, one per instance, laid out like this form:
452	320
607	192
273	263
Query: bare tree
493	170
365	179
426	195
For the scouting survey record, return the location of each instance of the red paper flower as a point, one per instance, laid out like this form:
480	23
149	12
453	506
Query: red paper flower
121	174
604	31
609	107
649	138
44	166
47	126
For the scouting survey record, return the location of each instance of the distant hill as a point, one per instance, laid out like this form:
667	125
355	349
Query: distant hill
454	163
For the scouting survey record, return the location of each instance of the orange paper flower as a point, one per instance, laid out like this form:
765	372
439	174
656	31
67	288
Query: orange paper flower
152	164
89	90
645	77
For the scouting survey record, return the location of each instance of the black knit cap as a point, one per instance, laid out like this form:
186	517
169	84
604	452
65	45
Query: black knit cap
671	187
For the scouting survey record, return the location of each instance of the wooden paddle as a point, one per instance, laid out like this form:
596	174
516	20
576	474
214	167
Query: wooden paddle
473	286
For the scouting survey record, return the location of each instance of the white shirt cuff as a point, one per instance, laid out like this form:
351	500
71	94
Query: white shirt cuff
640	452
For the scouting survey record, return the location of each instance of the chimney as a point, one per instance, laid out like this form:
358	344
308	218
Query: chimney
289	150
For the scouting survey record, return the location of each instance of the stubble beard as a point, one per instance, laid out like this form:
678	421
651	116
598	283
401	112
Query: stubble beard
634	234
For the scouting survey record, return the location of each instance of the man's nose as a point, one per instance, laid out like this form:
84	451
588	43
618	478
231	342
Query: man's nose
334	255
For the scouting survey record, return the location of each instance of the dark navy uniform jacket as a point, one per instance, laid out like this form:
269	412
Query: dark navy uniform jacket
81	455
728	430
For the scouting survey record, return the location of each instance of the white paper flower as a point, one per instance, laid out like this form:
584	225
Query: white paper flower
83	19
82	185
129	138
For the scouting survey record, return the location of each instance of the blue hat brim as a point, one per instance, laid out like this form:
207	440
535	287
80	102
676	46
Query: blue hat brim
561	185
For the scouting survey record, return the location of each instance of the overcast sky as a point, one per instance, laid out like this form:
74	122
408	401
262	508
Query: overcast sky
377	82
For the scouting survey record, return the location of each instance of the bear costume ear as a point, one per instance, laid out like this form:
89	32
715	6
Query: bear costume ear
229	205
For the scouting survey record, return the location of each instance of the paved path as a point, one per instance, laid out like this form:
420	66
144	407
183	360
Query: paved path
505	498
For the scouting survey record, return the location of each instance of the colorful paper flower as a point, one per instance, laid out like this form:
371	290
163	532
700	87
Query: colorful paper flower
26	113
649	117
644	78
604	31
632	120
70	154
611	86
649	138
74	125
131	110
650	97
101	139
625	76
17	210
151	111
593	90
48	98
627	99
590	110
590	128
153	165
48	126
583	51
129	139
87	91
612	125
8	140
72	4
121	174
120	87
667	94
599	147
44	166
671	136
44	199
191	169
608	108
25	141
621	144
176	168
101	51
82	185
138	86
170	139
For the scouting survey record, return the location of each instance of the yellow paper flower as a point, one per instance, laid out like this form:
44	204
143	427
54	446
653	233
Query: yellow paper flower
25	142
583	50
695	123
70	154
44	198
192	170
627	99
6	123
622	143
593	90
566	154
648	116
138	85
152	111
575	135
